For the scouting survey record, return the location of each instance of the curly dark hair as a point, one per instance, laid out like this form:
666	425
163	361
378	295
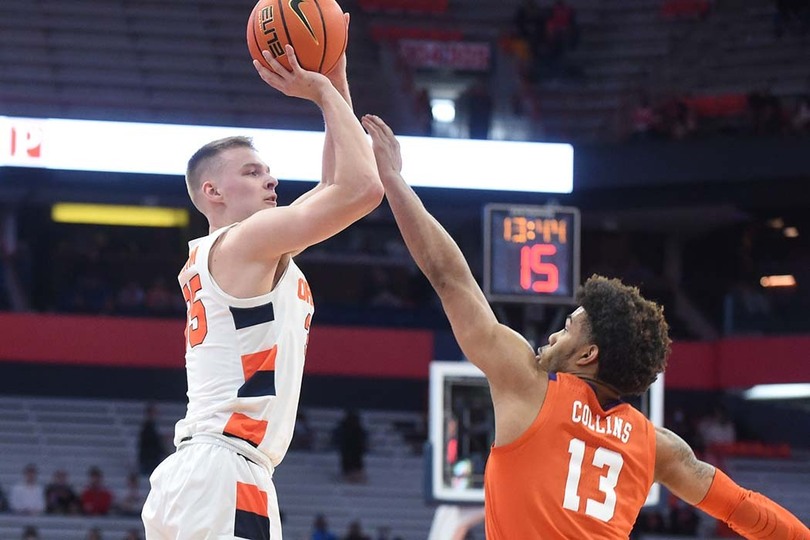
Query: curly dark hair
630	331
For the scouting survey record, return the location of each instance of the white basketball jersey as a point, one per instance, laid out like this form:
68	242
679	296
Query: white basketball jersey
244	356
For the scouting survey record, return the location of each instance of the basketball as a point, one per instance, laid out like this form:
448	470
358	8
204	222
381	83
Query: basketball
315	29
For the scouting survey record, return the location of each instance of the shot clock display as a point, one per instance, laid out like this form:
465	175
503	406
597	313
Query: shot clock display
531	253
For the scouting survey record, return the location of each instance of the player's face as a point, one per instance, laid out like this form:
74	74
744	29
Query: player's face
563	344
246	184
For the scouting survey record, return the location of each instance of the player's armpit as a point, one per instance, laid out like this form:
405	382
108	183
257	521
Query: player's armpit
750	514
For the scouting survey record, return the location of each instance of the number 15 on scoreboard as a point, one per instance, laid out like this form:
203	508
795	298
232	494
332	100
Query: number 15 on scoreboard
531	253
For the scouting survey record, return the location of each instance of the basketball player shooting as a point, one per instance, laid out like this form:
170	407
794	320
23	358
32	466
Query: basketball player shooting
570	458
249	312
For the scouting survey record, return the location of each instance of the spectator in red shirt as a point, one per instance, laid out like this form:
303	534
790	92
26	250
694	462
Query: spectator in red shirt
561	24
96	499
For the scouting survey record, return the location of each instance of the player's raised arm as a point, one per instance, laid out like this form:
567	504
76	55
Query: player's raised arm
748	513
339	79
503	355
355	191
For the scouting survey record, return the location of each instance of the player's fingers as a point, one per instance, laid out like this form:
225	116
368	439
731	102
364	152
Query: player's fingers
385	131
275	66
370	127
384	127
376	135
267	75
373	120
292	58
347	18
376	120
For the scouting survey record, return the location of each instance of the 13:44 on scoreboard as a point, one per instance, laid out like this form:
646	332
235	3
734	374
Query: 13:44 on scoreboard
531	253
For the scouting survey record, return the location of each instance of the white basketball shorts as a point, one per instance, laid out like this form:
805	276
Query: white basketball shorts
207	490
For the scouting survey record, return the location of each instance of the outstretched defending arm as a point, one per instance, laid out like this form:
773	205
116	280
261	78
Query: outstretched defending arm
748	513
503	355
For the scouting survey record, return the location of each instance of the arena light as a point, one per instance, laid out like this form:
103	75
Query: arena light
778	281
163	149
108	214
776	223
778	391
443	110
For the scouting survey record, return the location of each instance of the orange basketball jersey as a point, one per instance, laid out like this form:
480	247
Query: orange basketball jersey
578	471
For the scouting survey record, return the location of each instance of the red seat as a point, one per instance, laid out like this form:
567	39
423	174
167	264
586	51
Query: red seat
413	6
751	449
672	9
720	106
382	32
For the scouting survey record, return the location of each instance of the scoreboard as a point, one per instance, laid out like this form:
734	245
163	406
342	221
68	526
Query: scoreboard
531	253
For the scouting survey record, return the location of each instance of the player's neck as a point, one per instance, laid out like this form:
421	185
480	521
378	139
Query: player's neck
605	393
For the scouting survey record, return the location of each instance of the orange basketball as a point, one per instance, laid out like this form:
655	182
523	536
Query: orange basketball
315	29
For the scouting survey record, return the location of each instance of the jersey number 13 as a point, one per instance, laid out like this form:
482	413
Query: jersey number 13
602	458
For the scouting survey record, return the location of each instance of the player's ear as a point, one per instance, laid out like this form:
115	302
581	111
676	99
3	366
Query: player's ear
588	354
210	191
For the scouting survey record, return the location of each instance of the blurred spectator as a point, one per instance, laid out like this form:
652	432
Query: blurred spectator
801	119
644	118
27	496
683	122
424	113
130	299
160	300
478	107
15	266
60	498
91	294
530	26
766	112
690	9
650	522
150	444
792	15
561	28
451	451
30	533
683	520
750	298
94	534
320	529
355	532
96	498
717	428
383	533
4	296
133	534
682	425
3	501
131	499
351	440
380	291
303	435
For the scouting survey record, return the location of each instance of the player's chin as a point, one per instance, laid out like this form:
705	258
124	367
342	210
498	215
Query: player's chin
270	202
